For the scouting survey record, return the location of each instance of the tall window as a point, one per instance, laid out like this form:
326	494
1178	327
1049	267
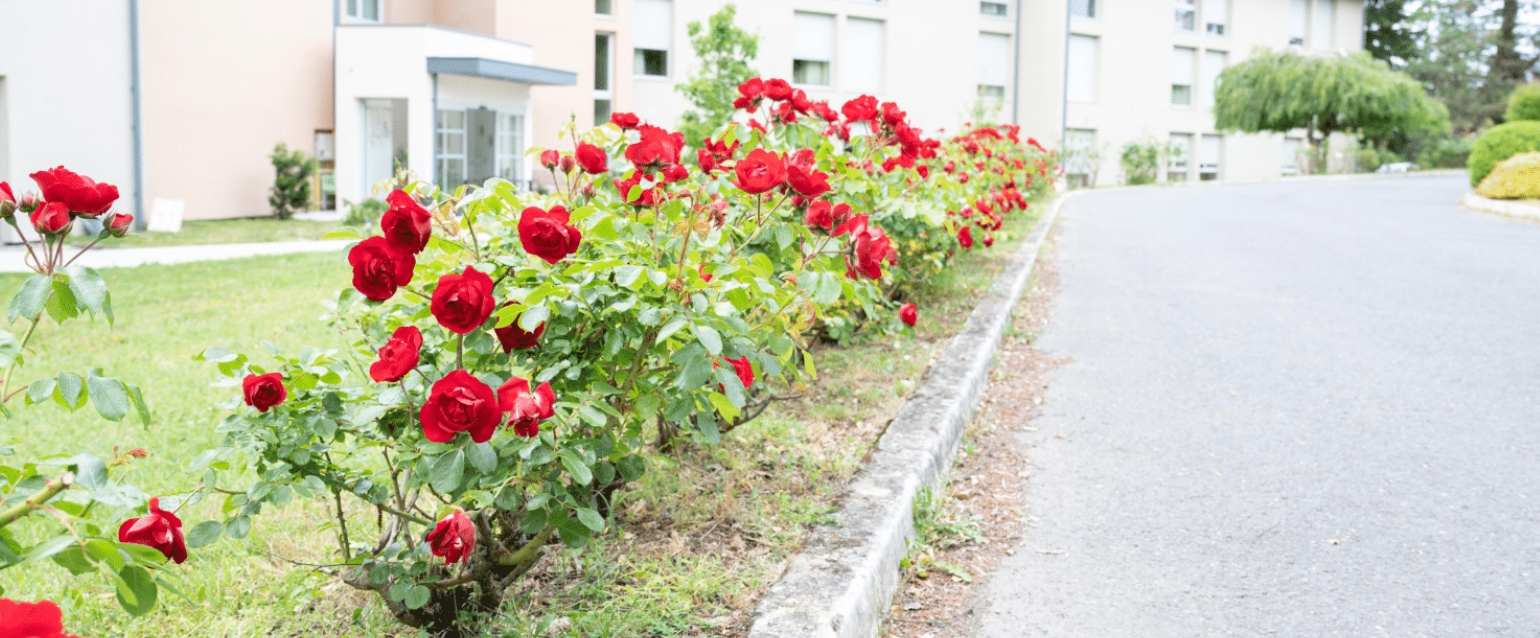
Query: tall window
994	65
603	7
1178	154
862	54
1082	8
1210	150
1321	24
812	49
1299	19
604	66
996	9
1213	64
1183	61
1186	15
451	148
1216	14
1081	85
510	147
653	36
364	10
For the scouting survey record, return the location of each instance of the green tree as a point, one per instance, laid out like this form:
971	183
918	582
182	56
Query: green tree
1280	92
1388	33
725	52
291	181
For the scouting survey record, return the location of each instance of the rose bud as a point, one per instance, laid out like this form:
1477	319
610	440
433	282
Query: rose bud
158	529
453	538
139	453
7	200
588	189
549	159
567	163
908	314
119	224
263	391
51	217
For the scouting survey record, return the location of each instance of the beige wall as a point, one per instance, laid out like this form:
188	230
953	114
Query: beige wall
218	98
562	34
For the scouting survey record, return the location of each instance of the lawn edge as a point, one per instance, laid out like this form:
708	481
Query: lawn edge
843	581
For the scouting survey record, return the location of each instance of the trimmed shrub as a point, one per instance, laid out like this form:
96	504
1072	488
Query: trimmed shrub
1517	177
1524	103
1499	143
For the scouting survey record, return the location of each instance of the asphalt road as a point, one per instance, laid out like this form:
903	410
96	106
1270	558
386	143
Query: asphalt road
1291	409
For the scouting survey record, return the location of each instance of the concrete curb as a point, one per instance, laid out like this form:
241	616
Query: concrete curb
842	582
1501	207
13	259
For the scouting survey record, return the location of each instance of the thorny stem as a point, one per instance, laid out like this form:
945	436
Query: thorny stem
82	252
36	501
342	521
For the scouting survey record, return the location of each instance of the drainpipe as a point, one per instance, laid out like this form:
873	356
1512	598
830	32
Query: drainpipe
1016	72
1064	88
138	118
433	124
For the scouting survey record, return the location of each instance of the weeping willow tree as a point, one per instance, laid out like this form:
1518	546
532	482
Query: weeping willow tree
1281	92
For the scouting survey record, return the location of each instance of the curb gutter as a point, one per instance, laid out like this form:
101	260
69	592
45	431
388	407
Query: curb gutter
842	582
1501	207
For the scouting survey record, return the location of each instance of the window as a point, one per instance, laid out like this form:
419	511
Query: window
1290	163
510	147
653	34
994	65
1209	152
364	10
861	56
1080	157
1186	15
385	136
451	148
1081	84
1299	17
1082	8
1216	13
603	69
1177	153
812	49
1213	65
603	7
1183	59
996	9
1321	25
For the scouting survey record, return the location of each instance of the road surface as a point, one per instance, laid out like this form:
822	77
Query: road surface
1305	408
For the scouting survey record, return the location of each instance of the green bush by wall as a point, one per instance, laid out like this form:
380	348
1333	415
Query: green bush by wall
1524	103
1499	143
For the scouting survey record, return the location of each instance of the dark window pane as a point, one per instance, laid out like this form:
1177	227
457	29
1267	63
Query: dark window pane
602	62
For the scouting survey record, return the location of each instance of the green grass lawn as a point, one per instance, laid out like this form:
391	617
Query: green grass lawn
697	540
222	231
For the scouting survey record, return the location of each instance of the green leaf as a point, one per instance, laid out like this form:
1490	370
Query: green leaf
109	396
204	533
576	468
238	527
136	590
105	551
707	425
723	405
10	349
731	385
448	471
631	467
90	472
143	554
590	519
70	392
628	275
574	536
670	328
89	290
482	457
533	317
709	338
62	306
346	232
416	597
49	547
141	409
532	522
829	288
40	390
29	301
694	372
74	559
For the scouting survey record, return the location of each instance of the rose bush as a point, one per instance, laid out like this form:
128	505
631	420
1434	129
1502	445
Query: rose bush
511	361
77	500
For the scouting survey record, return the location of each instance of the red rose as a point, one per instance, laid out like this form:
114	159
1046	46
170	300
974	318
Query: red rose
263	391
870	245
713	153
515	338
379	268
462	301
51	217
41	619
407	225
398	356
799	101
744	369
592	159
79	193
892	116
777	89
804	177
546	234
989	240
675	172
860	109
821	109
705	276
965	237
760	171
526	409
646	197
923	170
119	224
7	200
821	215
159	529
459	402
784	113
908	314
750	93
625	120
453	538
567	163
549	158
656	148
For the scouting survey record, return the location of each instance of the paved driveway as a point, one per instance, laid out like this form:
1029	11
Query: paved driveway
1308	408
